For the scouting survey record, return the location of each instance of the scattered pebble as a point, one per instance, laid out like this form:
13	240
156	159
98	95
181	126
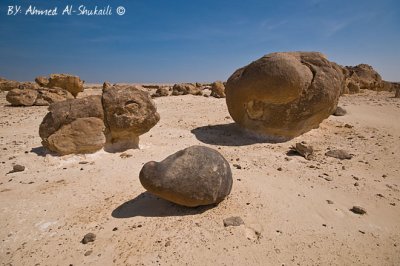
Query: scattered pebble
89	237
358	210
237	166
125	155
233	221
339	154
87	253
329	201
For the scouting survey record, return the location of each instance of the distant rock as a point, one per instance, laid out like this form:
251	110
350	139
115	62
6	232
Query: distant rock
284	94
191	177
161	92
42	81
233	221
53	95
186	88
73	84
339	154
129	113
7	85
362	77
340	111
218	90
18	97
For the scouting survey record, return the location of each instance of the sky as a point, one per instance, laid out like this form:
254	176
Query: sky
192	40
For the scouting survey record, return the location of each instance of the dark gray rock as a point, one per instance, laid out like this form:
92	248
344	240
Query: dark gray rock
358	210
191	177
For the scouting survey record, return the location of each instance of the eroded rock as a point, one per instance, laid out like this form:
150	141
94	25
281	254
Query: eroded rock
218	90
284	94
185	88
71	83
21	97
191	177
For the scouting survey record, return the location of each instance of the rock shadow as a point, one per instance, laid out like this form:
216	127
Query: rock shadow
42	151
231	135
148	205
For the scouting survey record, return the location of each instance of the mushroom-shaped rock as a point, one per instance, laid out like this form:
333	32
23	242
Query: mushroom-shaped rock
191	177
185	88
18	97
73	84
218	90
284	94
74	126
129	113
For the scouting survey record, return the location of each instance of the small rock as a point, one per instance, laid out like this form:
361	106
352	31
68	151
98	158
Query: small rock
340	111
356	184
115	228
358	210
125	155
339	154
18	168
304	150
87	253
89	237
279	169
328	178
233	221
329	201
237	166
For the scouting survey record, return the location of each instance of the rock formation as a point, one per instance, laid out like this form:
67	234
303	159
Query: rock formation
73	84
284	94
185	88
191	177
128	113
218	90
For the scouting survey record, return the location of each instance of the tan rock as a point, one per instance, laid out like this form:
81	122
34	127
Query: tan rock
363	76
73	84
65	112
185	88
284	94
83	135
48	96
18	97
42	81
7	85
129	113
218	90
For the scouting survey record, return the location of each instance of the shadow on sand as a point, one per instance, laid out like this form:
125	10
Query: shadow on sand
42	151
230	135
148	205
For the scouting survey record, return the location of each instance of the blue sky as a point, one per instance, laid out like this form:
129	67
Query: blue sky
189	41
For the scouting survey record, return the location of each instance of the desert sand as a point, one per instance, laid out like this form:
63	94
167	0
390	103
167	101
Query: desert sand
295	211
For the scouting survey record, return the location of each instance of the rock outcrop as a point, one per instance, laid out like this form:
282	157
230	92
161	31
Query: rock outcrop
48	96
284	94
129	113
191	177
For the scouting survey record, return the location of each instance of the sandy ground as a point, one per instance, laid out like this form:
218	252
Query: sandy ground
48	208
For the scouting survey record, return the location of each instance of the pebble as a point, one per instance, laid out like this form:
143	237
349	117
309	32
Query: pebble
233	221
18	168
87	253
358	210
329	201
237	166
89	237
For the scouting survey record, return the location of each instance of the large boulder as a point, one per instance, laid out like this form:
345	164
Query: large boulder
18	97
48	96
129	113
73	84
191	177
64	121
185	88
218	90
284	94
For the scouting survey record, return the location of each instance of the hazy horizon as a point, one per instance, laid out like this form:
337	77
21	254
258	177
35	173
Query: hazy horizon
181	41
